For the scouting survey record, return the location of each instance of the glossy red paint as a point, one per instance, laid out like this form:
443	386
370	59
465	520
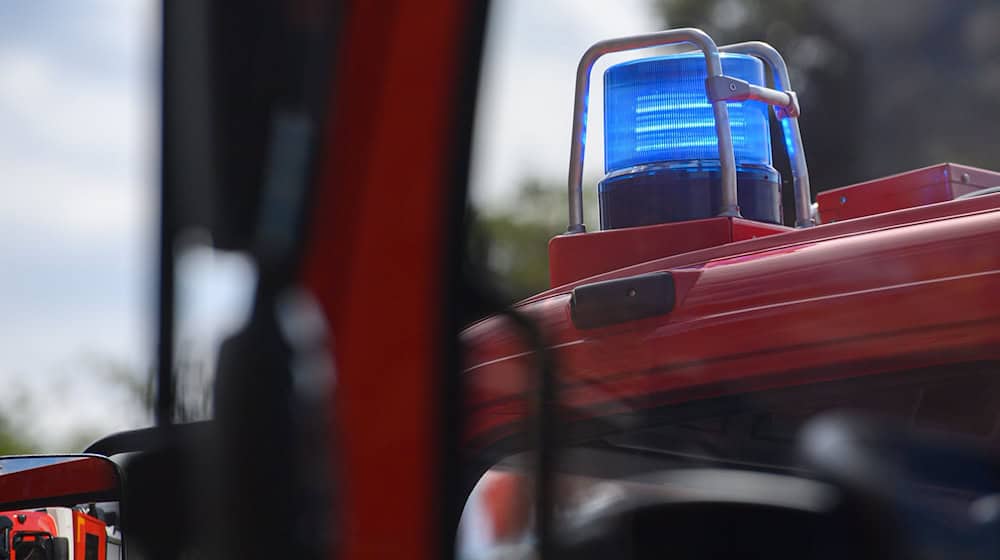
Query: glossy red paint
376	263
75	477
578	256
84	525
502	501
34	521
75	526
937	183
906	289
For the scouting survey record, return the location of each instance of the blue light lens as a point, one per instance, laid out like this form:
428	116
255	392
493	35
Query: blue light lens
656	110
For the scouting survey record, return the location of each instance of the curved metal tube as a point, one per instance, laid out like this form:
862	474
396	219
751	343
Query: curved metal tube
578	141
789	127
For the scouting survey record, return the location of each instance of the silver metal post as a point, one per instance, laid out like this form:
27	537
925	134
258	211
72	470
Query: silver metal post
578	141
789	127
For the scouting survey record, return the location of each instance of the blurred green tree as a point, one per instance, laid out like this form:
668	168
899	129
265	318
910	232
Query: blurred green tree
884	86
193	383
12	442
512	244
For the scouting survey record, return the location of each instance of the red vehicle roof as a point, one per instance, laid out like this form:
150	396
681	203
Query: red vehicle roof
904	289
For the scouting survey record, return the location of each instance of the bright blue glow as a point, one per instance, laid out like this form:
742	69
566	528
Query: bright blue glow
656	110
786	132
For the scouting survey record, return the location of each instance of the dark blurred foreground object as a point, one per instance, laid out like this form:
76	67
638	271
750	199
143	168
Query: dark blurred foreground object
245	94
934	496
282	138
877	491
742	520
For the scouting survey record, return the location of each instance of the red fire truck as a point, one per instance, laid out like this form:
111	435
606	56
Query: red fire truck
696	330
58	533
665	398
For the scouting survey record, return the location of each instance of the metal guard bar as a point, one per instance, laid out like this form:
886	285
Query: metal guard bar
784	101
578	141
789	127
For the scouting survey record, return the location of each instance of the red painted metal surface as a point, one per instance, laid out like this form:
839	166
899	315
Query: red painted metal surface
937	183
375	262
909	289
579	256
79	526
34	521
86	475
84	525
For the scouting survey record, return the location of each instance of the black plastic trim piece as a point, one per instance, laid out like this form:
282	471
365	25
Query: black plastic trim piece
149	439
623	299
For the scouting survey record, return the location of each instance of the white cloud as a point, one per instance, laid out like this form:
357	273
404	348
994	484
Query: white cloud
122	24
78	206
78	136
66	113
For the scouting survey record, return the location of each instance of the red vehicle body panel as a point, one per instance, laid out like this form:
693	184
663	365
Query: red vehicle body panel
575	257
379	249
83	525
906	289
937	183
65	478
34	521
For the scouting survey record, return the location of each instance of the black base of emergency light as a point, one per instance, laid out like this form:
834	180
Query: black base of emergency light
661	193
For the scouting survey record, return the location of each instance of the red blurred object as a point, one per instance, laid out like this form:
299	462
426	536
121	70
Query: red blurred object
31	521
377	255
504	500
937	183
86	537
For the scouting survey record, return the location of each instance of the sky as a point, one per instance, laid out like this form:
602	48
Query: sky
525	109
77	162
78	179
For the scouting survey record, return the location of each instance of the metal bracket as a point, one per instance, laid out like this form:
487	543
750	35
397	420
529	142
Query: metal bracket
788	117
725	88
791	111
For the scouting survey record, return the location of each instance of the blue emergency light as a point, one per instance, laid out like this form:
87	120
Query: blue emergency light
661	151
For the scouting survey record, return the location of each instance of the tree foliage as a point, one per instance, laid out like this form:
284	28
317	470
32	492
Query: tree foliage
11	441
512	243
884	86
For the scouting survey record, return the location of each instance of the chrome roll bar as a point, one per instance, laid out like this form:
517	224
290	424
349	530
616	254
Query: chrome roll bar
719	89
789	127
